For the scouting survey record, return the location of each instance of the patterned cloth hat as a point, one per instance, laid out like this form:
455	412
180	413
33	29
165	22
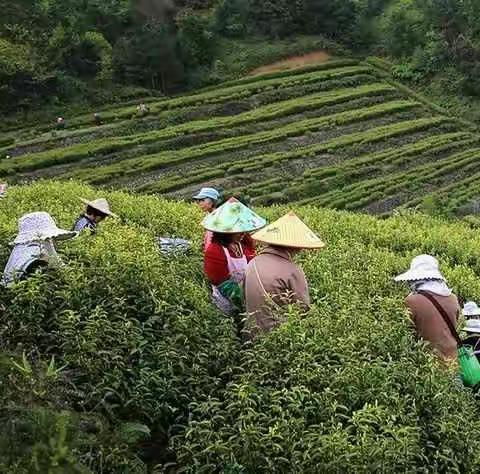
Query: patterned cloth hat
233	217
471	309
39	226
101	205
423	267
289	231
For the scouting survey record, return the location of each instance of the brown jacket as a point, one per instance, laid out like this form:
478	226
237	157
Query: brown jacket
430	325
281	278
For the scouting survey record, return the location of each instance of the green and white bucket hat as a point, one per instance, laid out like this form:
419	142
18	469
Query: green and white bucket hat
233	217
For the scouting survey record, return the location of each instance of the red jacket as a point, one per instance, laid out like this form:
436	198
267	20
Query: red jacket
215	262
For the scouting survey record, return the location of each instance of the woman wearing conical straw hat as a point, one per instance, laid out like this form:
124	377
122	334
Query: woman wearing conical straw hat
273	279
95	212
231	248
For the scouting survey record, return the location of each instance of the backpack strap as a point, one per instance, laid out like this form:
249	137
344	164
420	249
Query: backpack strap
444	315
267	295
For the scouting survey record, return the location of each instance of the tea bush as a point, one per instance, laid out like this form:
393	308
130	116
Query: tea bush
118	363
136	331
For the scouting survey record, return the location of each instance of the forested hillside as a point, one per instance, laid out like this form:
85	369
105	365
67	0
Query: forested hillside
65	51
118	362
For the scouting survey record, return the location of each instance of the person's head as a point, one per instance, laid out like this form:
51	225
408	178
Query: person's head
97	210
207	199
422	268
226	239
94	214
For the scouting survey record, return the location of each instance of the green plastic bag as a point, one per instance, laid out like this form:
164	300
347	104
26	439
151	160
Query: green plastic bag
469	366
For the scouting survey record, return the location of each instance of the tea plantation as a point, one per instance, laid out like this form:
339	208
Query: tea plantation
118	362
341	134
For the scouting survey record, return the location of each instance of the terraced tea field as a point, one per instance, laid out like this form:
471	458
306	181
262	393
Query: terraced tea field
340	134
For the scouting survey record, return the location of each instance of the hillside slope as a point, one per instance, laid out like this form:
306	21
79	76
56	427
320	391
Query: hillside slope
337	134
147	372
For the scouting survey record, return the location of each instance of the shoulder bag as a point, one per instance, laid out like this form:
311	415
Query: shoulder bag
469	365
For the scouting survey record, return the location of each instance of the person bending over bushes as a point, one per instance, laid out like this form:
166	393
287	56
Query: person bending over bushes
95	212
231	249
272	278
34	246
426	281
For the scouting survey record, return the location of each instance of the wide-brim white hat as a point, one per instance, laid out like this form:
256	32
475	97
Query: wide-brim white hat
471	309
40	226
101	205
423	267
473	325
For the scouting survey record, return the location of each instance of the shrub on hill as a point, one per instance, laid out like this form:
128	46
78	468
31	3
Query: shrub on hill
118	361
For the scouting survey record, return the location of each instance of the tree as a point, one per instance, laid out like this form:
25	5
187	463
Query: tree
276	18
22	80
148	56
231	17
403	28
196	38
333	18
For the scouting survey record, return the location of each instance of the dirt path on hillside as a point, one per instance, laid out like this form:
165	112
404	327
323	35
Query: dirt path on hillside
316	57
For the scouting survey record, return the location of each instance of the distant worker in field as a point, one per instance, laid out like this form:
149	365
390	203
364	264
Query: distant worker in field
273	279
434	308
34	247
61	124
207	200
95	212
97	118
227	257
143	110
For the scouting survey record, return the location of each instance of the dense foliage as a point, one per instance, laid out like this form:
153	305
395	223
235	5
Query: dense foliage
118	361
71	49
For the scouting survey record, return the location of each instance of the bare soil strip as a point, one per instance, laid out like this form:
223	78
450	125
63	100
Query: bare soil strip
316	57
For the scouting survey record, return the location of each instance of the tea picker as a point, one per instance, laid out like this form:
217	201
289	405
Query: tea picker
34	246
95	212
273	279
231	248
207	200
472	328
434	311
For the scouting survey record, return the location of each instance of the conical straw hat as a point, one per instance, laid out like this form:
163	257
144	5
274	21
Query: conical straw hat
101	205
233	217
289	231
